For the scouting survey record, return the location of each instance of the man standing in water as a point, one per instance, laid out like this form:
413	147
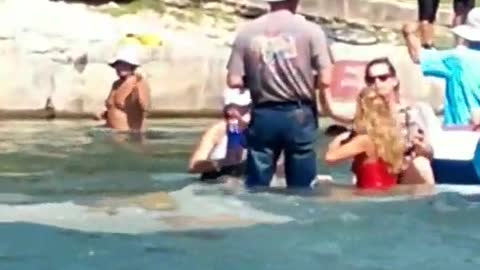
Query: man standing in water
129	99
276	57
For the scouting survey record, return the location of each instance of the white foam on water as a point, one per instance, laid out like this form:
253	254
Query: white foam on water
193	212
169	177
206	205
441	188
461	189
15	198
68	215
24	174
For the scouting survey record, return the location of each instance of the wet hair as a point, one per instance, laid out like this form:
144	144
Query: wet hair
386	61
335	130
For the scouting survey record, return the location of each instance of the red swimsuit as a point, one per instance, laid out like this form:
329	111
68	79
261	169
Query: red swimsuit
372	175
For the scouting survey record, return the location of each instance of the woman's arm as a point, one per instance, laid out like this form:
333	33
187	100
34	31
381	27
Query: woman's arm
325	101
143	94
125	89
338	152
108	103
199	161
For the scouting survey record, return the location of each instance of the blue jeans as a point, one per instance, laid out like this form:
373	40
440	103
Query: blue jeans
289	128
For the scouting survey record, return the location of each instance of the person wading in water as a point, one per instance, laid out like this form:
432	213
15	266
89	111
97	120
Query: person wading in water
276	57
128	101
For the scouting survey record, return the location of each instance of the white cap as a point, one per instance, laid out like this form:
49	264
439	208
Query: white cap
471	29
237	97
127	54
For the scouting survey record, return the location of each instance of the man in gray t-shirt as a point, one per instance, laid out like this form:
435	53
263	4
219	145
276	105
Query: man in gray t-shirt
277	56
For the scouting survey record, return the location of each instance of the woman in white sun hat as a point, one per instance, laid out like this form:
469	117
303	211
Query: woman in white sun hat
457	66
129	97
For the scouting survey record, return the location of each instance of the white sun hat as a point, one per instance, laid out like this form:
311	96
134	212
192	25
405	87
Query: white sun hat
237	97
128	55
471	29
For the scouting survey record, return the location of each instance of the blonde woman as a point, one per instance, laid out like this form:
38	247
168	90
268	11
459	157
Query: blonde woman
375	144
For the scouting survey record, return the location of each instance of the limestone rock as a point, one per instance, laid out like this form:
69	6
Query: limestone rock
62	52
178	3
212	6
251	9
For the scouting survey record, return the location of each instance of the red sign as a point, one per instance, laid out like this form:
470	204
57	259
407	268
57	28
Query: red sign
347	80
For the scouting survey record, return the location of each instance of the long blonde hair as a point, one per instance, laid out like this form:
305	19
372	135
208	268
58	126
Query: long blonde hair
374	118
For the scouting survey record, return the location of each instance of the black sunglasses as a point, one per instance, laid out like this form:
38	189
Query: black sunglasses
372	79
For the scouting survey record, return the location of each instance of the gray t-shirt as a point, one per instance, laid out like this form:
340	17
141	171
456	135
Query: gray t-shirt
278	55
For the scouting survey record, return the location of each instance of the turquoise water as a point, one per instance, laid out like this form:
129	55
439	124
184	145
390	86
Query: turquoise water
53	174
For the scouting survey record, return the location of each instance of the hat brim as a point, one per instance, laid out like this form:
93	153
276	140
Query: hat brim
114	63
233	104
467	32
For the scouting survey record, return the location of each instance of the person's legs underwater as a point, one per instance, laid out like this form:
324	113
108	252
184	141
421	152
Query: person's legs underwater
300	157
263	147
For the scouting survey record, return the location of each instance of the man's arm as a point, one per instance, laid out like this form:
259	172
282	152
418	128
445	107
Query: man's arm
199	161
412	42
125	90
143	94
236	64
325	98
322	64
337	152
108	103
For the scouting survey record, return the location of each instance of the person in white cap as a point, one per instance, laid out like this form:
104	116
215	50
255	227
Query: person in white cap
129	99
283	60
461	8
212	157
457	66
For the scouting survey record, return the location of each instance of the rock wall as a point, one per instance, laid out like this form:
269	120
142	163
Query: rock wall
62	53
372	11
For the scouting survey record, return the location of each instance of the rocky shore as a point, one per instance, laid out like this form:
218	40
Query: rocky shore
60	53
